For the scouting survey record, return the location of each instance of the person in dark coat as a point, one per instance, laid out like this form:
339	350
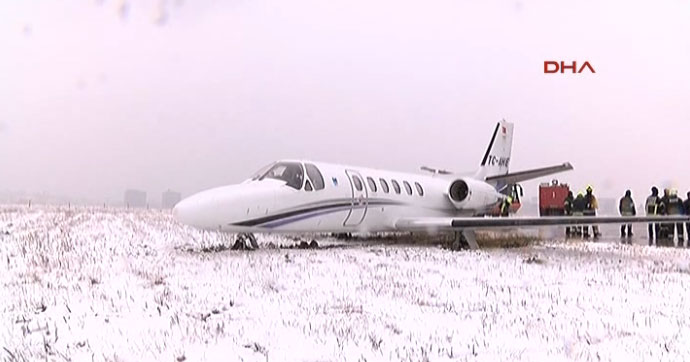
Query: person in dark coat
626	207
579	205
661	210
673	206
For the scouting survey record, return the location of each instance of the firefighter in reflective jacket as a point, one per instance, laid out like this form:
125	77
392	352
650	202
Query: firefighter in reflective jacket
673	205
652	208
627	208
505	206
568	211
661	210
591	206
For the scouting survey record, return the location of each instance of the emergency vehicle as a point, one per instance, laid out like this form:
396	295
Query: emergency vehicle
552	198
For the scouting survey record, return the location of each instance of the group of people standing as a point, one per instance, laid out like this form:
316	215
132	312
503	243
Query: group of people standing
584	204
668	204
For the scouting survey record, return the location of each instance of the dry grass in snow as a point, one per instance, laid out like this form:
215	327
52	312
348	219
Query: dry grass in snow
119	285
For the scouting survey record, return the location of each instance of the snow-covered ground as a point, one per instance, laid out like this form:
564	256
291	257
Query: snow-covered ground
109	284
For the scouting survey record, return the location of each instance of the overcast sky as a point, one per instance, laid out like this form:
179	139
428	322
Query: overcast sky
100	96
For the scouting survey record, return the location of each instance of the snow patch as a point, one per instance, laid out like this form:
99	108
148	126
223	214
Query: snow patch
111	284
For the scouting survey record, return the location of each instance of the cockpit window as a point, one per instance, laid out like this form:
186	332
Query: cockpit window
290	172
258	174
315	176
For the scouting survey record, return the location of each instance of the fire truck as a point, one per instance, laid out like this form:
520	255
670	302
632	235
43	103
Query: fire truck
552	198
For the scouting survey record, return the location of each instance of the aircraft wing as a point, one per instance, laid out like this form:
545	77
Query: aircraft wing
474	223
515	177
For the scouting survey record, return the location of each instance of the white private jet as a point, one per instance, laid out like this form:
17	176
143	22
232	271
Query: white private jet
298	196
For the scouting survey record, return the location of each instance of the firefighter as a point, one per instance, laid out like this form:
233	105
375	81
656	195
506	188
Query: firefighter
591	206
578	209
505	206
652	208
662	210
663	202
626	207
568	211
674	206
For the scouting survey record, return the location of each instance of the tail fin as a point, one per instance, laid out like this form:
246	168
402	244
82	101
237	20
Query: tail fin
497	157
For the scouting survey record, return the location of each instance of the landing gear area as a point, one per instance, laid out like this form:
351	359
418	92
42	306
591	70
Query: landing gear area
342	236
450	241
303	245
248	241
463	240
245	242
460	240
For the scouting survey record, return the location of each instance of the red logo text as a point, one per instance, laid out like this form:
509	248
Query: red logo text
551	66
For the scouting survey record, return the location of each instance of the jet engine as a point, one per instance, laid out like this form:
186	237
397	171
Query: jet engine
470	194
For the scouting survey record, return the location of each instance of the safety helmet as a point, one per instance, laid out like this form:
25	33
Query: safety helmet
580	193
589	188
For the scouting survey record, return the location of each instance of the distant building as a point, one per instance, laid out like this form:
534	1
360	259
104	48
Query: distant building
135	198
170	198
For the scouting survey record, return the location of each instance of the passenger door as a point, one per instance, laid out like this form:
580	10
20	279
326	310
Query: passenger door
358	206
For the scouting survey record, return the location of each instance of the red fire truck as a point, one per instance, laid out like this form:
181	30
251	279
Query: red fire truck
551	198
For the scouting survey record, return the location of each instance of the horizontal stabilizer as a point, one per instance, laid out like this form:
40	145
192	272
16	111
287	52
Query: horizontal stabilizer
435	170
471	223
515	177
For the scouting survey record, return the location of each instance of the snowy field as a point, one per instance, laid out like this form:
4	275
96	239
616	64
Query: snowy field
107	284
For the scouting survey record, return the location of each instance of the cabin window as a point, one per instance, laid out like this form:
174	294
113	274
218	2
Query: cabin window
408	188
290	172
315	176
420	190
384	185
307	186
358	182
396	186
372	184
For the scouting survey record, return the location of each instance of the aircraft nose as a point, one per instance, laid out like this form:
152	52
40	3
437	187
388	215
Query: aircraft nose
181	211
215	208
192	210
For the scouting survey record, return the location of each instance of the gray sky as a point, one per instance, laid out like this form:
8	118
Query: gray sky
96	97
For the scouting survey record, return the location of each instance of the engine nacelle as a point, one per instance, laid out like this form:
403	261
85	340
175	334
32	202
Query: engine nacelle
470	194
